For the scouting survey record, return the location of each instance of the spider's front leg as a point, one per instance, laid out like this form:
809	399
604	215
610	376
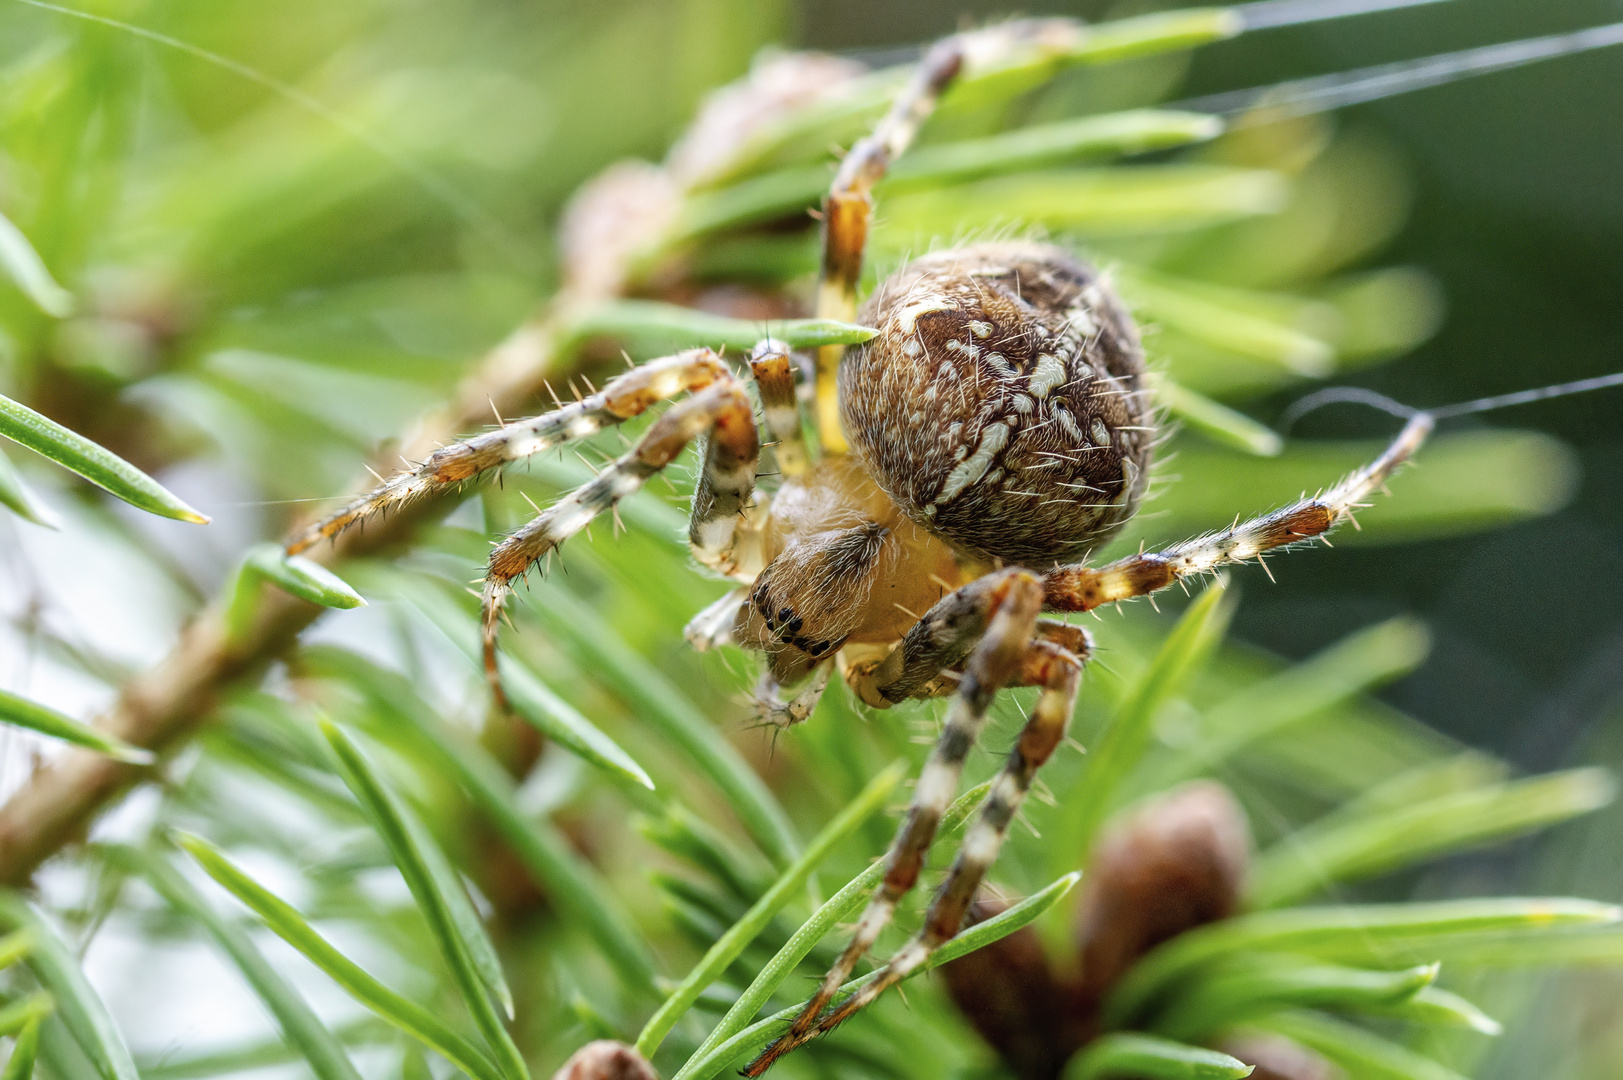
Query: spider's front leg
1081	588
728	479
994	620
621	398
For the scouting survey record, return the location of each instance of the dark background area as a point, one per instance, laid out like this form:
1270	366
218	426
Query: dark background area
1518	212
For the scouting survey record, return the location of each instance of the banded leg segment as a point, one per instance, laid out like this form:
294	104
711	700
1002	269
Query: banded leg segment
1011	604
620	399
723	409
849	206
732	453
1079	588
774	372
1058	671
938	641
783	714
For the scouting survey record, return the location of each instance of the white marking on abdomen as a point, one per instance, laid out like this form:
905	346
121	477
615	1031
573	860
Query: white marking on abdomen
993	440
907	318
1049	374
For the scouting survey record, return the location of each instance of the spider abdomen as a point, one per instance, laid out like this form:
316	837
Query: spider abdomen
1002	404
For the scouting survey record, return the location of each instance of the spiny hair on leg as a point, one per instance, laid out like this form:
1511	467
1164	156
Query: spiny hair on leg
622	398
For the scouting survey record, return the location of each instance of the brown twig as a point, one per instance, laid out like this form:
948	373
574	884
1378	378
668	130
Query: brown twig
163	706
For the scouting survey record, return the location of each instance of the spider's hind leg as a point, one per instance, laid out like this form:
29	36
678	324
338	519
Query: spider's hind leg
1058	671
998	613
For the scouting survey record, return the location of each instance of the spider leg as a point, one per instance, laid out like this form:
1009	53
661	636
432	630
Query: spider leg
937	642
620	399
713	627
774	374
1009	601
849	206
1058	671
783	714
723	409
1080	588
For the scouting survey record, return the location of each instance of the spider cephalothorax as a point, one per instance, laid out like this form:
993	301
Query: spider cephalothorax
1002	404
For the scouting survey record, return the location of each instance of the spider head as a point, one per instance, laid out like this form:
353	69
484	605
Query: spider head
1002	404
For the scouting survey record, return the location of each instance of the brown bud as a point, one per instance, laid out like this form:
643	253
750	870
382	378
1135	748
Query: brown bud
1279	1058
606	1060
778	84
1173	864
1007	991
612	220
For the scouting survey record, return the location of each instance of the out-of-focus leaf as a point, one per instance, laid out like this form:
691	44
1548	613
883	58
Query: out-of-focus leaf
789	191
1153	1059
25	1012
78	1004
1123	743
755	1037
1351	666
1561	946
293	574
681	328
571	883
1314	857
100	466
988	79
14	947
1384	313
682	834
27	270
440	897
300	1025
1360	1051
292	928
661	705
1261	985
23	713
1162	31
366	1032
839	907
1217	420
558	720
1445	776
16	496
20	1065
301	577
1370	933
1134	132
1126	199
61	1054
1434	1005
1228	319
741	933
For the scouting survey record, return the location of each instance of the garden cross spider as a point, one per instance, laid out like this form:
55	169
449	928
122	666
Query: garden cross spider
1000	429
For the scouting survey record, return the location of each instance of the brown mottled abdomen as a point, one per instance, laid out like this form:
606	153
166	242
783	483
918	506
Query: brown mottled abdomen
1002	404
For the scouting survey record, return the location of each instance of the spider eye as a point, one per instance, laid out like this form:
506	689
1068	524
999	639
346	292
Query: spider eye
1002	404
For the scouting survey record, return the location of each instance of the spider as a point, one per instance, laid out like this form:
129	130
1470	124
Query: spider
996	430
